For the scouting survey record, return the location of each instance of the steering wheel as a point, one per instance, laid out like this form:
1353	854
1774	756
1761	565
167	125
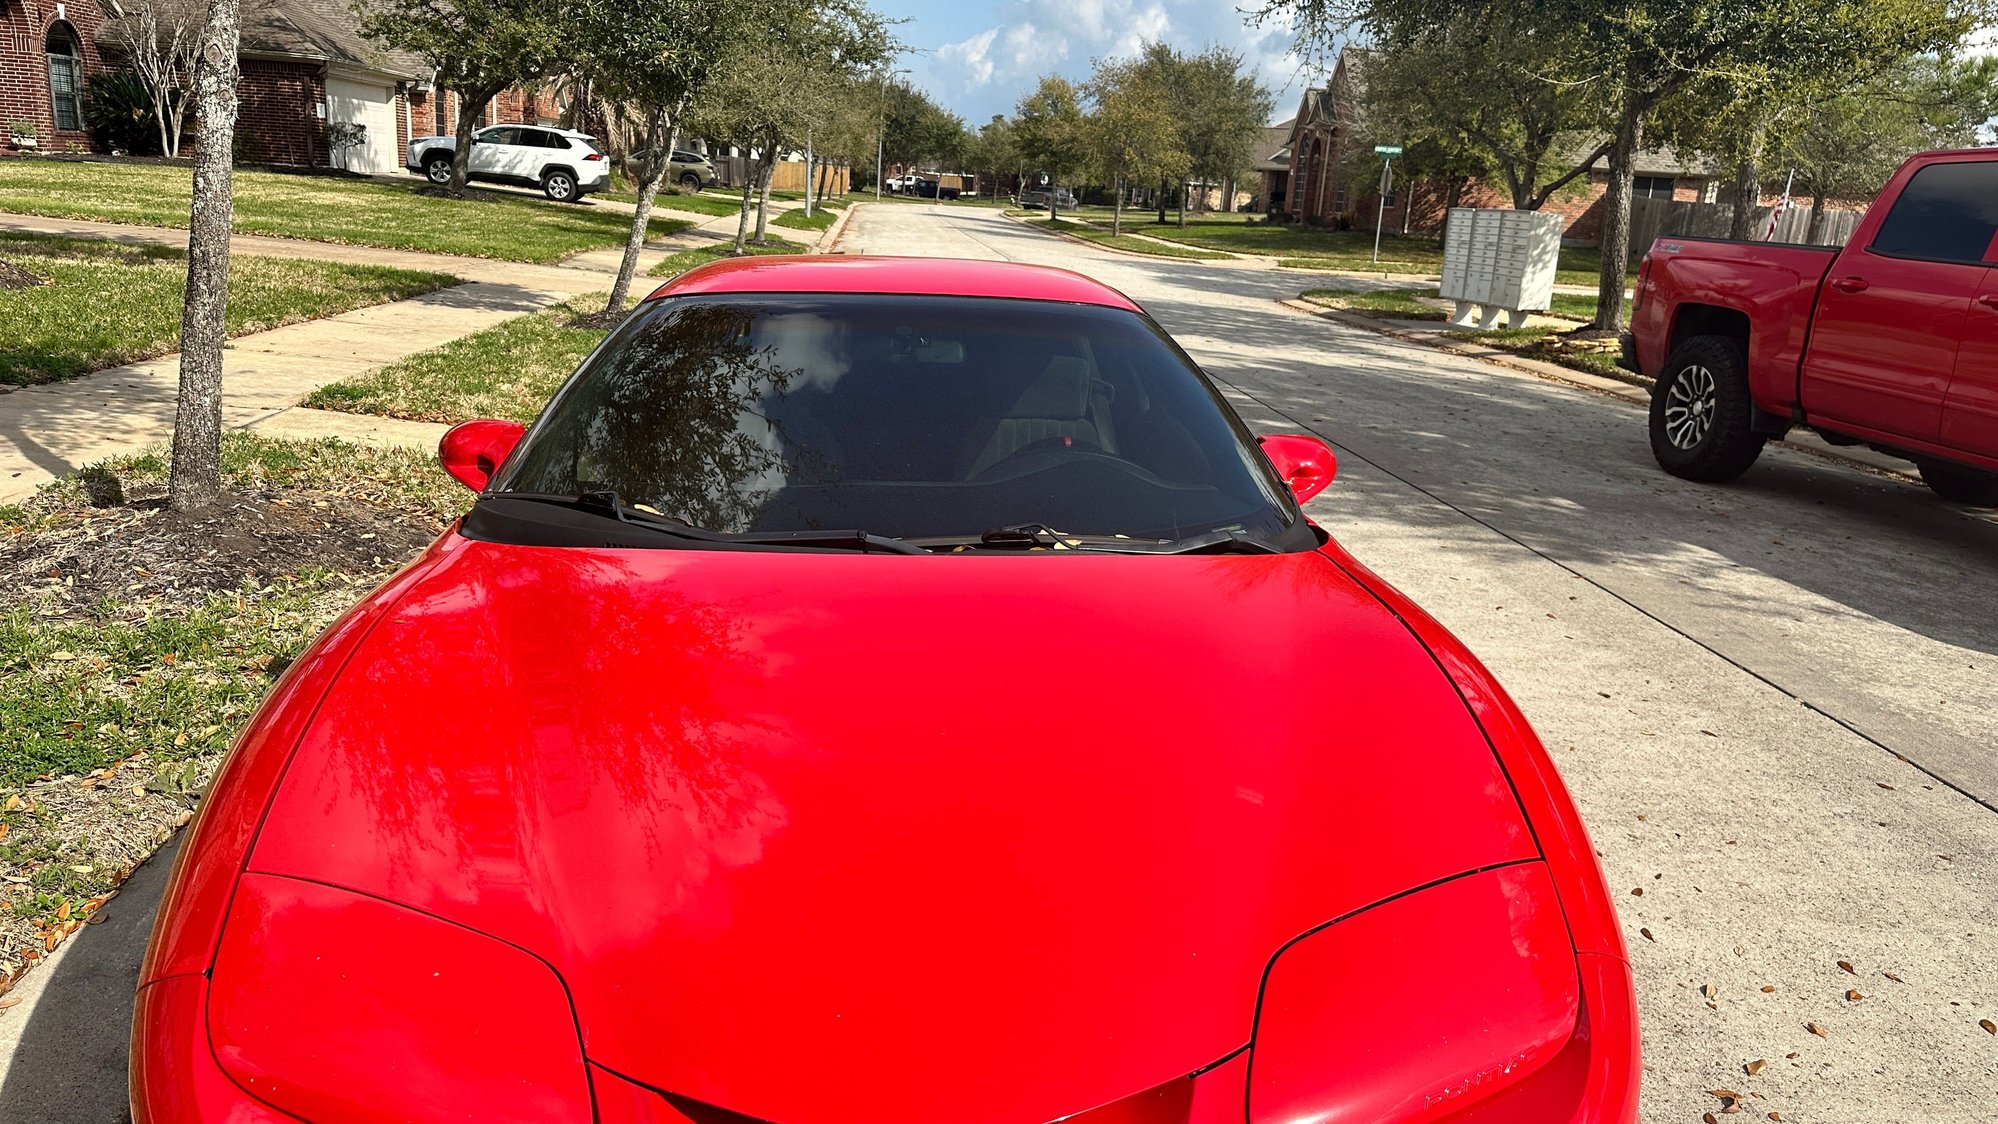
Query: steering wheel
1036	456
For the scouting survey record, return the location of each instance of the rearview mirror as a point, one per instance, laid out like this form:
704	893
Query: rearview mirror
473	451
1304	463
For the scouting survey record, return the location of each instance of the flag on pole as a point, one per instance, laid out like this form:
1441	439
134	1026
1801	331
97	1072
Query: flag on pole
1776	216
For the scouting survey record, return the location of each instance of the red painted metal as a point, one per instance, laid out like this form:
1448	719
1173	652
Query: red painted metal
949	277
336	1006
473	451
1881	348
1303	462
1417	1007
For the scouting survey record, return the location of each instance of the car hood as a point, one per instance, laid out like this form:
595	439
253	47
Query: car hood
824	837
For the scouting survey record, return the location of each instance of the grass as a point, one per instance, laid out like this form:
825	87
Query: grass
796	220
679	263
506	371
107	303
82	688
1400	304
1551	345
360	212
115	712
1102	237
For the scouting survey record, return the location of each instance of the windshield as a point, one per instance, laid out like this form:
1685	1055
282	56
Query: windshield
913	417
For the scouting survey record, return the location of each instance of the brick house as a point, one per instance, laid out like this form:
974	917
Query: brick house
1316	191
304	66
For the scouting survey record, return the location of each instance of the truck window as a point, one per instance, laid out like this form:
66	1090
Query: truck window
1948	212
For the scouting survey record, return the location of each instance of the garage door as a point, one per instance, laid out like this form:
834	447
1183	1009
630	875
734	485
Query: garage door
372	106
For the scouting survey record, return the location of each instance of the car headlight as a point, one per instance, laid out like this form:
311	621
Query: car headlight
336	1006
1418	1007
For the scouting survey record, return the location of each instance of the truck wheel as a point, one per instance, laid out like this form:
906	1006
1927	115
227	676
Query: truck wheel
1701	411
1960	482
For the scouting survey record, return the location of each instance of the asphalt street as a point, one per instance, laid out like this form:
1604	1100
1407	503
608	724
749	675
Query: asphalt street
1775	702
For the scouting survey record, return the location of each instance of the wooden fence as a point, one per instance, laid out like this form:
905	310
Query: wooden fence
1651	219
787	175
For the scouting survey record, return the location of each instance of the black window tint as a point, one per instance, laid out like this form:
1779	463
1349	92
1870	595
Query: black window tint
1948	212
500	136
546	139
906	416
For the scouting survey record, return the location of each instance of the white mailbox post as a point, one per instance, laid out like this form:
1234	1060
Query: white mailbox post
1497	261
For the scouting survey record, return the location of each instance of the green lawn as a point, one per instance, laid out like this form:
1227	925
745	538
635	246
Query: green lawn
108	303
1551	345
679	263
1102	237
1399	304
506	371
796	220
138	692
710	205
1308	247
485	224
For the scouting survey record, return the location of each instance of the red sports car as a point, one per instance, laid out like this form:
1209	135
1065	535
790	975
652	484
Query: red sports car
886	690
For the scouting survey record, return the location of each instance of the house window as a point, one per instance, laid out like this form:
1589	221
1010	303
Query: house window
1339	201
1652	187
65	78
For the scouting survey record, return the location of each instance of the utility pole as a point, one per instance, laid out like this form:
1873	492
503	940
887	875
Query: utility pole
1390	151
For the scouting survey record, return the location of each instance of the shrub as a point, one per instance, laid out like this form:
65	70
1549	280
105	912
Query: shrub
118	111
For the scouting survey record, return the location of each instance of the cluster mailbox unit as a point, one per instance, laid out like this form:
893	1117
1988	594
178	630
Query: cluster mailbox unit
1497	261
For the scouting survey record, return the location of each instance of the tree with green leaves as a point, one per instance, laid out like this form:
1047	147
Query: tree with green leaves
776	85
1132	135
652	59
993	152
479	47
1222	112
1052	133
1643	54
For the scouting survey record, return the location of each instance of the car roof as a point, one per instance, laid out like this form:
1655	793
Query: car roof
944	277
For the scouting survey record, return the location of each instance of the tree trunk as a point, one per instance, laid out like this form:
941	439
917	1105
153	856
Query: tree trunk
1816	235
471	106
742	216
1227	196
196	474
1162	200
1054	193
763	195
1117	211
1615	240
1182	206
651	171
1746	193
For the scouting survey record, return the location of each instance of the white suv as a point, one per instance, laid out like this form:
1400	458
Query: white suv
566	165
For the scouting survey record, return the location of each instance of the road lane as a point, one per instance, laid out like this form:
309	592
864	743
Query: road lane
1726	676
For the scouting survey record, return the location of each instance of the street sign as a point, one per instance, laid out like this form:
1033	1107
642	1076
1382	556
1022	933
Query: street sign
1387	150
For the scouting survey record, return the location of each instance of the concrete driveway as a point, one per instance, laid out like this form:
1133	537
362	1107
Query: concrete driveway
1775	702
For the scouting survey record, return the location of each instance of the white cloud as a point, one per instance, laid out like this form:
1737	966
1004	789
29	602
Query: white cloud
989	72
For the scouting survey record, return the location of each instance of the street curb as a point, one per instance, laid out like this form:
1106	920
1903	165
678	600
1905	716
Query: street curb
1803	441
828	242
1067	237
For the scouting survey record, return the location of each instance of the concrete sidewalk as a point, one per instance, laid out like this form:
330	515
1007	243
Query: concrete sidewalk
50	431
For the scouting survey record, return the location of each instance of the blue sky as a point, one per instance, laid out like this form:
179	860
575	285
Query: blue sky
978	57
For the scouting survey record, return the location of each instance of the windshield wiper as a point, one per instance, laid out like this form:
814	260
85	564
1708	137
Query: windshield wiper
607	504
1031	536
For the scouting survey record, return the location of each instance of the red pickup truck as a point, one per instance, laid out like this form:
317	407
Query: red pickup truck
1890	342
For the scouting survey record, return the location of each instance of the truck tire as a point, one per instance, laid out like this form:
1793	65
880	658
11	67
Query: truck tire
1701	412
1960	482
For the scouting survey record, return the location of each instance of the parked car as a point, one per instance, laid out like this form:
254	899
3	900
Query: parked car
1890	342
1077	774
1038	197
564	164
933	189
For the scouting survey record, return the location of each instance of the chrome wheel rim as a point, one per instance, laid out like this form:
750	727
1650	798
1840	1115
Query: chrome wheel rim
559	185
1690	404
440	172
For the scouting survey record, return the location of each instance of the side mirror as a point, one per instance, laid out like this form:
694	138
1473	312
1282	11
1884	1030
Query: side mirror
473	451
1304	463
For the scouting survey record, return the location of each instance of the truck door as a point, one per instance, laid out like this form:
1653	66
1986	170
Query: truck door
1970	410
1891	315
